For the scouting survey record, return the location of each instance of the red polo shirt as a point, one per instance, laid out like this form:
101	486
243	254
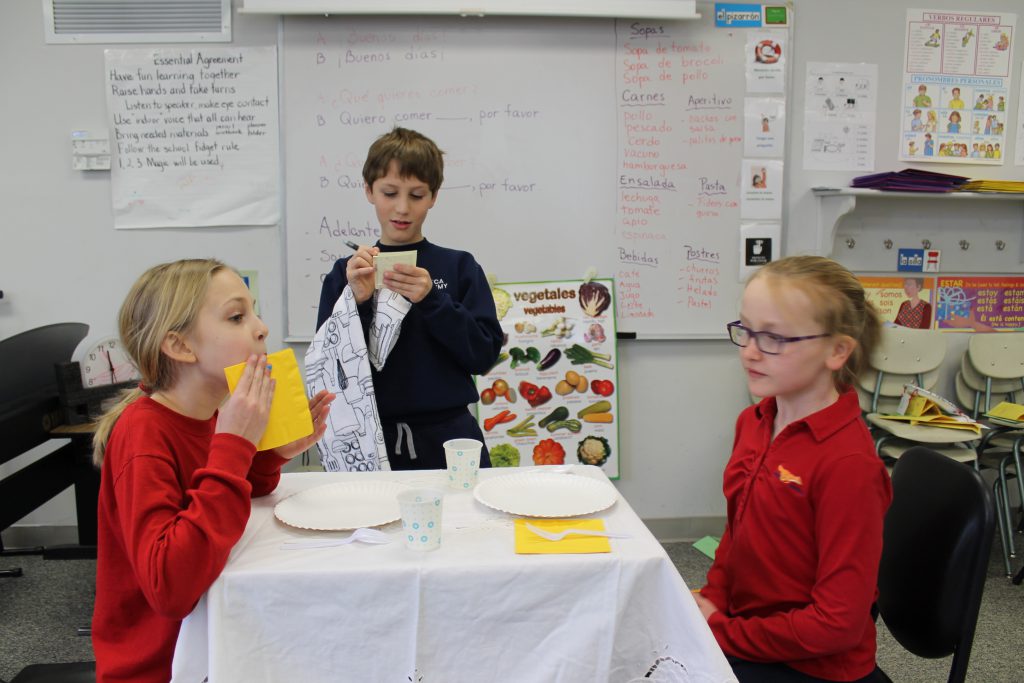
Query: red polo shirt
796	572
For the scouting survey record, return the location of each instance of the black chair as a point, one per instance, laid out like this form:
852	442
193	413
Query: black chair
937	543
77	672
29	409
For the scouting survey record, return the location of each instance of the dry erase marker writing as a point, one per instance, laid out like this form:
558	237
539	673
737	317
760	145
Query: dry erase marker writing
351	245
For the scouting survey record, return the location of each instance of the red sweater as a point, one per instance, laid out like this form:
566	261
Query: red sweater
174	499
797	568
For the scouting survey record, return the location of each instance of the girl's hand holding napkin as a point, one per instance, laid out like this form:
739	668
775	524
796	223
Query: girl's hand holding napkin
295	423
319	406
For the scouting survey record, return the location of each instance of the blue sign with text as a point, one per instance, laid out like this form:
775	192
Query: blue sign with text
730	15
918	260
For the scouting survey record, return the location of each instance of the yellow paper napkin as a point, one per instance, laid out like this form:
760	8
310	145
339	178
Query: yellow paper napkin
290	418
1008	411
529	543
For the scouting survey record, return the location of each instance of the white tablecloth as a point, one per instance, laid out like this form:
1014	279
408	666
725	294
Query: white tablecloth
472	610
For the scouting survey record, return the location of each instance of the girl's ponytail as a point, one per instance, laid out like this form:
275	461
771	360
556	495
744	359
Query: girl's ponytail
106	423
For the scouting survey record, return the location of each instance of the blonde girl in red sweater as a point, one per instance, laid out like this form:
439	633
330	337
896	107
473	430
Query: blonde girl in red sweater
178	460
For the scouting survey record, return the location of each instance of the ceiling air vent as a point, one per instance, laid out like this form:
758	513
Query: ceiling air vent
137	21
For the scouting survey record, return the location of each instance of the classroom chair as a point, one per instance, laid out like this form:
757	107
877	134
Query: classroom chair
992	389
993	368
879	392
72	672
971	389
937	539
29	409
998	356
994	449
904	353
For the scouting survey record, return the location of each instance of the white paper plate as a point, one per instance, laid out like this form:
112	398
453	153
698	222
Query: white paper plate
544	494
342	505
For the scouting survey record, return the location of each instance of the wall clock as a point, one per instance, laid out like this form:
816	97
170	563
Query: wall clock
103	361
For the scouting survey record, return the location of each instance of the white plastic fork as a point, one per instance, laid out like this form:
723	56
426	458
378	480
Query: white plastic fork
362	534
559	535
557	469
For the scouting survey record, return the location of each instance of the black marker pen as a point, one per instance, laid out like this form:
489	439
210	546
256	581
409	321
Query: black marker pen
351	245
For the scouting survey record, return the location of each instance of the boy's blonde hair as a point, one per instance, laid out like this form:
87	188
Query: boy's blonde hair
840	306
416	155
166	298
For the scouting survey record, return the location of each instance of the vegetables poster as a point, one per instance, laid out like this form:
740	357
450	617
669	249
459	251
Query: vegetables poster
552	397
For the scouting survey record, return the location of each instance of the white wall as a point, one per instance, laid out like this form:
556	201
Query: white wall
61	259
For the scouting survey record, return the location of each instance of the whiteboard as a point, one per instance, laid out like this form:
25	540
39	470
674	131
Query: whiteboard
570	144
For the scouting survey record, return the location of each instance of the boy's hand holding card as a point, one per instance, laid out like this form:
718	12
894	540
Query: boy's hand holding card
386	261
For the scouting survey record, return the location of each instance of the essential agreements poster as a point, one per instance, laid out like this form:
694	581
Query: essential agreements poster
194	136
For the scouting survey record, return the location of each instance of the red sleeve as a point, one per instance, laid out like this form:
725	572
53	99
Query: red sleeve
178	541
265	472
850	500
717	587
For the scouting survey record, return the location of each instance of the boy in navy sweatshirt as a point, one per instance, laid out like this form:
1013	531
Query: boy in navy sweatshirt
450	333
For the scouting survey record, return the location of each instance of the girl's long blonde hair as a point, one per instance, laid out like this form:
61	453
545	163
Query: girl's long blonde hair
166	298
840	304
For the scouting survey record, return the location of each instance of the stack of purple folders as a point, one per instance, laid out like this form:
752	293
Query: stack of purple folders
910	180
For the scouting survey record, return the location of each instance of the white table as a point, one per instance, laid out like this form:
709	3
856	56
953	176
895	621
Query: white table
472	610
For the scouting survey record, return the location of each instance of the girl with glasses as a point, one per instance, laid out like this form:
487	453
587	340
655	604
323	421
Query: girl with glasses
790	591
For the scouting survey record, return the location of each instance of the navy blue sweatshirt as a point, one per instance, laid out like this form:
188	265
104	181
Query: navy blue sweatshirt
452	334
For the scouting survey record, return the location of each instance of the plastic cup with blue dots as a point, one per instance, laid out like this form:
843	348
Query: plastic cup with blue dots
421	518
463	459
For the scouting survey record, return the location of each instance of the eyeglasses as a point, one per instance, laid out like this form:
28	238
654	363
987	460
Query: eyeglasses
767	342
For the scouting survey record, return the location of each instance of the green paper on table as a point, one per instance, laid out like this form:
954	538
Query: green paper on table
386	261
290	418
529	543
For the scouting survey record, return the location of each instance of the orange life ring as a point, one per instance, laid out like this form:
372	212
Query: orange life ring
768	51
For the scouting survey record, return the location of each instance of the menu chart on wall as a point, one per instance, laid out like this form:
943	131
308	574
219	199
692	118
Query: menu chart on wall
552	397
194	136
676	213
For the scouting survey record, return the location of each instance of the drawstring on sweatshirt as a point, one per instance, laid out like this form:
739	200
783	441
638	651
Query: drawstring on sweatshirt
404	428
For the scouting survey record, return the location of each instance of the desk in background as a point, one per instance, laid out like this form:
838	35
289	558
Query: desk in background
471	611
